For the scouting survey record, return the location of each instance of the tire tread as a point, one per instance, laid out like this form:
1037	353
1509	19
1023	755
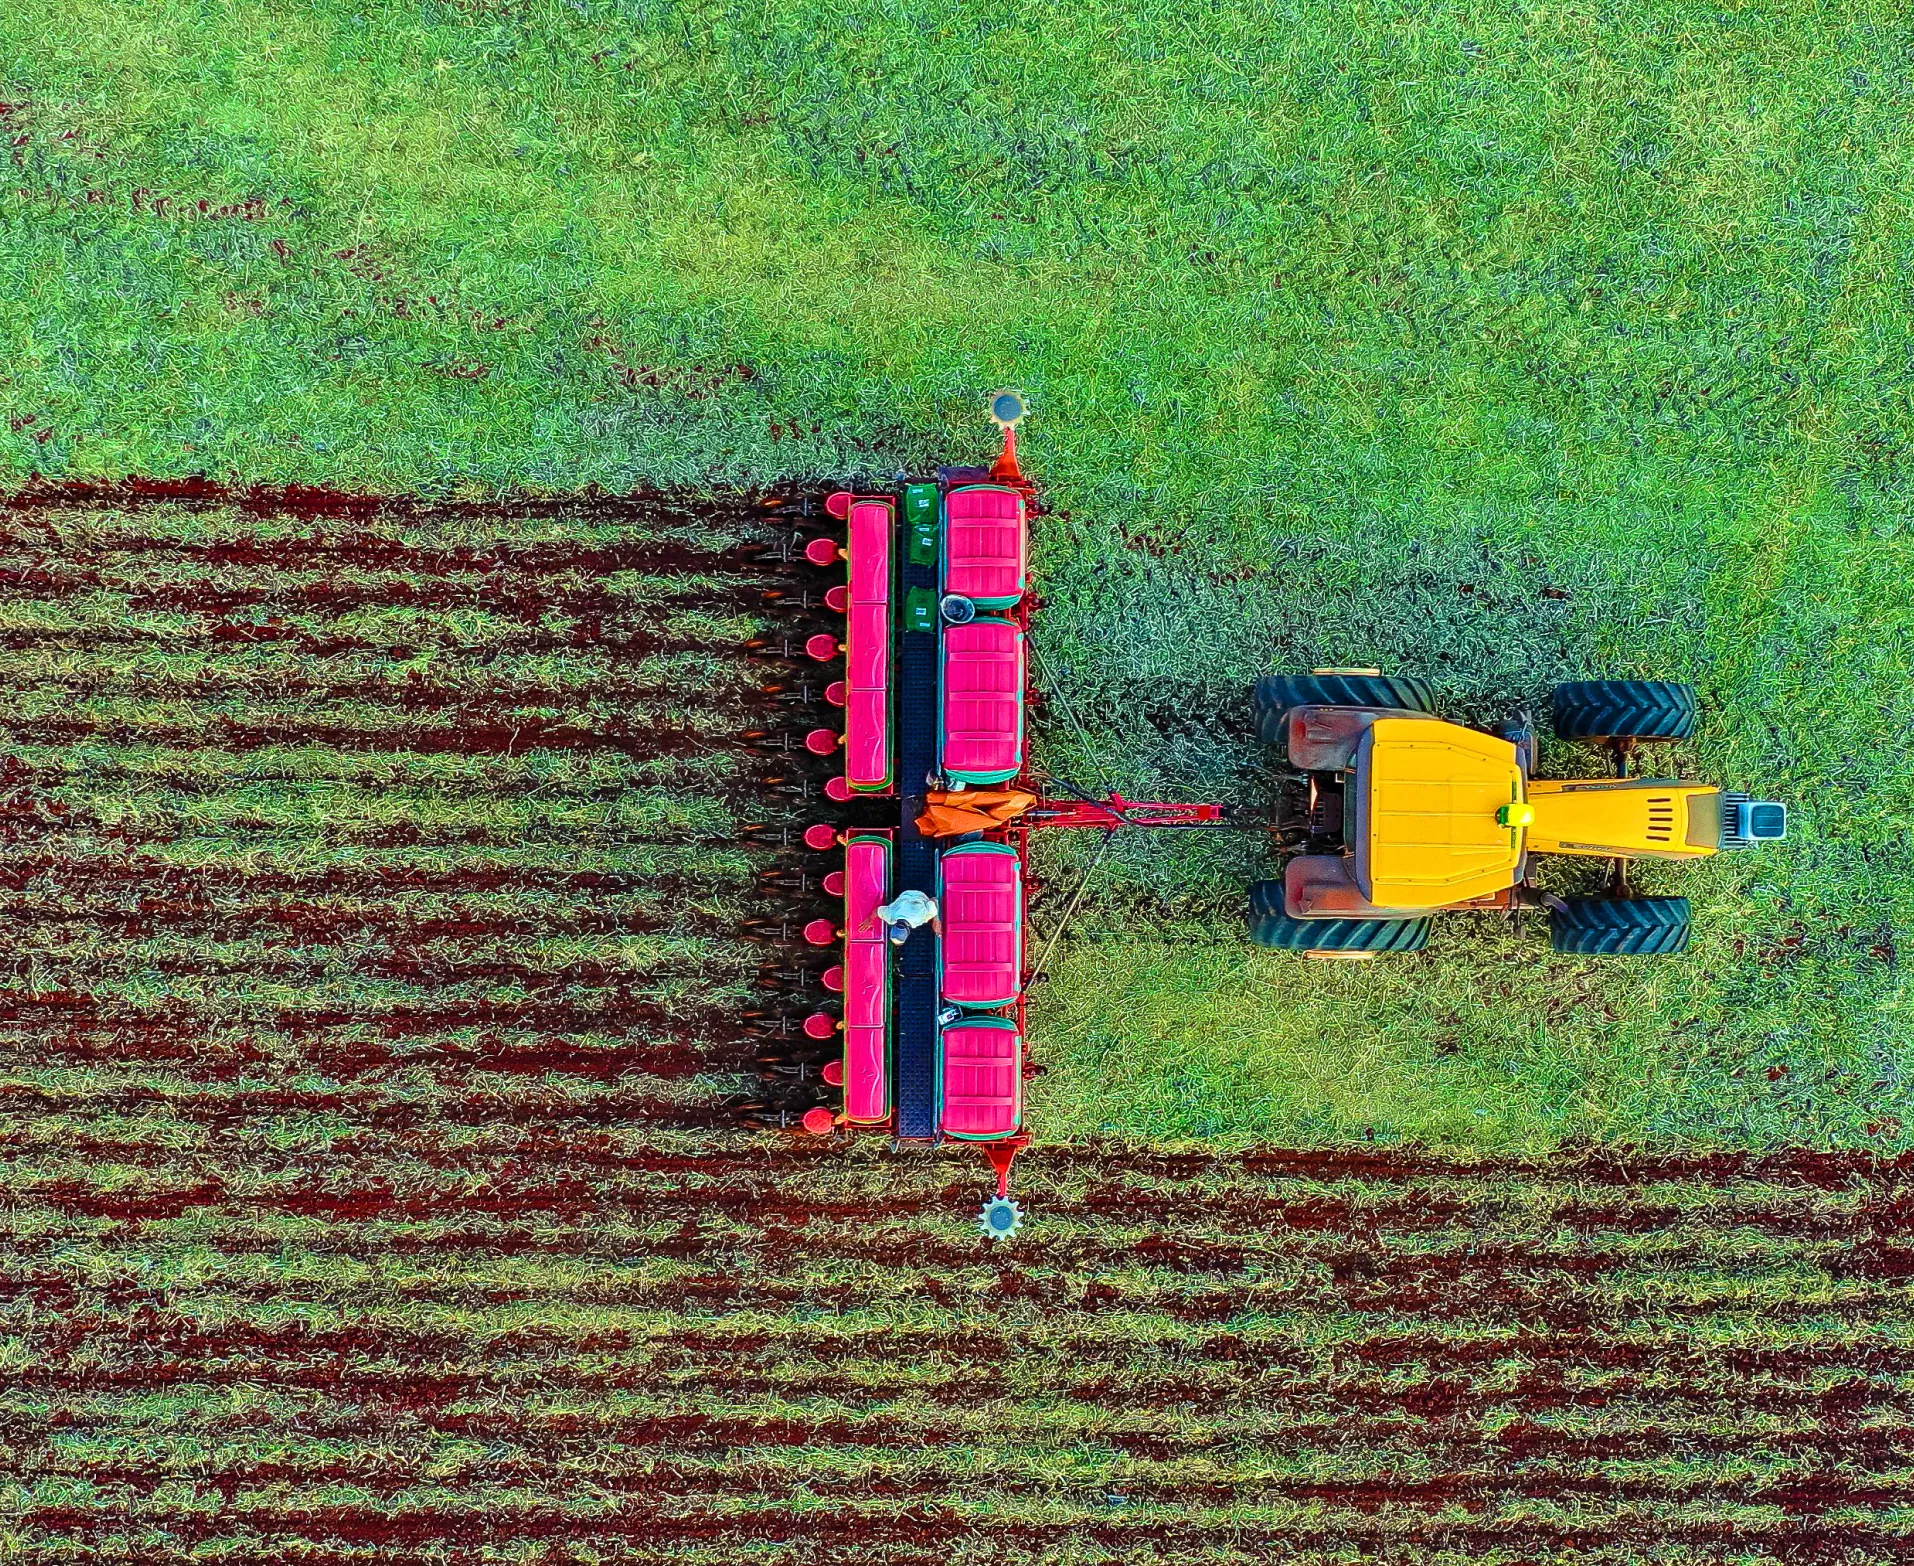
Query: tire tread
1270	927
1620	926
1276	694
1624	709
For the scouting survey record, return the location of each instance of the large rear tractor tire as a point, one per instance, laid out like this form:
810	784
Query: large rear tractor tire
1277	693
1271	927
1624	709
1619	926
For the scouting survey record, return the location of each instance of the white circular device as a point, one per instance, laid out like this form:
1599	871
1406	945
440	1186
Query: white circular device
1000	1218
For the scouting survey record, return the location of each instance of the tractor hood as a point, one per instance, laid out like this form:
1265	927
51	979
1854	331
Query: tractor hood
1426	797
1651	818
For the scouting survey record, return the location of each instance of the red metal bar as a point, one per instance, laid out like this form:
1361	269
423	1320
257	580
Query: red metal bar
1019	838
1005	470
1002	1155
1117	812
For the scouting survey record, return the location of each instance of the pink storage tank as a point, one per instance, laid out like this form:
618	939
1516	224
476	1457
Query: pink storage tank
982	738
985	545
982	1078
981	900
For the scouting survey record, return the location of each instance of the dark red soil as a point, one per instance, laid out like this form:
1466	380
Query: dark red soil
370	1196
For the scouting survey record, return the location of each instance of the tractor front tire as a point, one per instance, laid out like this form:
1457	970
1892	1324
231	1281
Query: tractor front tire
1276	694
1271	927
1624	709
1619	926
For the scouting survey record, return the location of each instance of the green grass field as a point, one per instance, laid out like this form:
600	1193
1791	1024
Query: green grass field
1497	347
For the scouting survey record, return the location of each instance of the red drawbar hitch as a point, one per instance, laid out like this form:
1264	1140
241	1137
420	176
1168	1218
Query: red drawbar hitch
1116	811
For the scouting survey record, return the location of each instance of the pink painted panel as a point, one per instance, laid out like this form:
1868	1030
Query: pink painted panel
866	755
983	1080
983	698
984	543
866	981
868	643
870	539
982	949
868	661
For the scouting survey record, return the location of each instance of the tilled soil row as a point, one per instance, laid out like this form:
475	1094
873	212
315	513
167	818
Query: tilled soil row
1276	1398
514	595
1808	1496
800	1350
406	693
583	588
483	731
570	1429
868	1528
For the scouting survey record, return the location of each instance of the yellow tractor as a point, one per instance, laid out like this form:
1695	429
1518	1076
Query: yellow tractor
1390	814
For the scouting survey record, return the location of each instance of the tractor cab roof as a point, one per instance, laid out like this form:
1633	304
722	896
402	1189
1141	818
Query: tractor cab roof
1423	813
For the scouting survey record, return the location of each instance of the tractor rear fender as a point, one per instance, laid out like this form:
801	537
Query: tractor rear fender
1607	818
1323	886
1324	739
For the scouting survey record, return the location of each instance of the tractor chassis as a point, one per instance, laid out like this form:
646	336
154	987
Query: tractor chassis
1308	819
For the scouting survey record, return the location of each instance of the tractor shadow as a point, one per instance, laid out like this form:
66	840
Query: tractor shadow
1145	663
